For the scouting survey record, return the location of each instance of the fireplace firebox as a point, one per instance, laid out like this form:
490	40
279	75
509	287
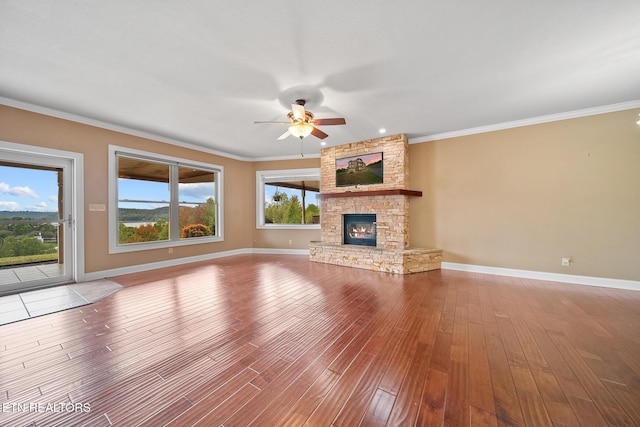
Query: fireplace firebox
359	229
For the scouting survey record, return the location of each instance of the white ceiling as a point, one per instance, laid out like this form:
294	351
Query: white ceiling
199	72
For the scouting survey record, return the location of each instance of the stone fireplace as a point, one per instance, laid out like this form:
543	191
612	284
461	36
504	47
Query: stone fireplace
382	209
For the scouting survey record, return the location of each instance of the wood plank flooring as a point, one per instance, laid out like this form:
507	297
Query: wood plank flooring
274	340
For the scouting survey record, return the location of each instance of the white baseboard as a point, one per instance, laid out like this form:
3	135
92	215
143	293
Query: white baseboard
541	275
161	264
96	275
526	274
280	251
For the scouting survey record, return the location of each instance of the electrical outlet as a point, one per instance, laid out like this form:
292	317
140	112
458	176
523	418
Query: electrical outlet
290	242
566	262
170	250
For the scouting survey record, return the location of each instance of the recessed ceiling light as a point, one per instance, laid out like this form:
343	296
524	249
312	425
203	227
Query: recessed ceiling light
323	143
382	130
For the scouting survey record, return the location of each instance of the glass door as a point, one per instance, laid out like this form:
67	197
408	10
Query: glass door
36	223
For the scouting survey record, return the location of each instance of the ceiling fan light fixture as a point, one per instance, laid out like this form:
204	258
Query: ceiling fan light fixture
300	129
302	124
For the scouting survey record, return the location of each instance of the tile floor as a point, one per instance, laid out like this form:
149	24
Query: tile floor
44	301
31	272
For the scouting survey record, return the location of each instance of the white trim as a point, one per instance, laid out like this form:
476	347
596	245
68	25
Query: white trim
292	157
289	175
76	177
103	274
114	246
527	274
435	137
531	121
541	275
280	251
266	176
113	127
289	227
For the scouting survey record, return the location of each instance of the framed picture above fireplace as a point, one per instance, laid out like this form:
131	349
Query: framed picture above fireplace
363	169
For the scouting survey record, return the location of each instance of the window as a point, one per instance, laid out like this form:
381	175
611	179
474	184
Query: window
288	198
161	201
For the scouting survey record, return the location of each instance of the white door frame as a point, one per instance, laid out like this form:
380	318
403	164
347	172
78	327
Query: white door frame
73	173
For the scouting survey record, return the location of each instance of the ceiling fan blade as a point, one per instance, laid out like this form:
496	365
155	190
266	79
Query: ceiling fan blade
298	111
273	123
326	122
318	133
284	135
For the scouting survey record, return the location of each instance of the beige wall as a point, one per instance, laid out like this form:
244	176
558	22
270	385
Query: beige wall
524	198
279	239
520	198
24	127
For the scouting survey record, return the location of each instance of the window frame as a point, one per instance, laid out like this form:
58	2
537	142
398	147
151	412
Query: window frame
175	239
267	176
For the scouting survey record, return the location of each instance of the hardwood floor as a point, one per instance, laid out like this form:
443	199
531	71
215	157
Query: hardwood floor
270	340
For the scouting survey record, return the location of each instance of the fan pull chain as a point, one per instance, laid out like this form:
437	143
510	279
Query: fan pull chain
301	147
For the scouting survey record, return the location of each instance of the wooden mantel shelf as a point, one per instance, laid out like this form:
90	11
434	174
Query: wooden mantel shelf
398	192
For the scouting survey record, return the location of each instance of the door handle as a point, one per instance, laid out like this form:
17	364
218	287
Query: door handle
69	221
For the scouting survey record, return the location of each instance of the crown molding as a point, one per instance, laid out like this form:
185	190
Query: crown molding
435	137
292	157
113	127
531	121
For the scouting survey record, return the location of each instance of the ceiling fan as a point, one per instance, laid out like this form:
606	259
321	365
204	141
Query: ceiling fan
301	122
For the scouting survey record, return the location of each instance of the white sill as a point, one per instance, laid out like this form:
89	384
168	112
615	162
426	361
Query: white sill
149	246
288	227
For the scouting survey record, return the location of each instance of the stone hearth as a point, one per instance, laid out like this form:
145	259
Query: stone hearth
389	201
403	261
